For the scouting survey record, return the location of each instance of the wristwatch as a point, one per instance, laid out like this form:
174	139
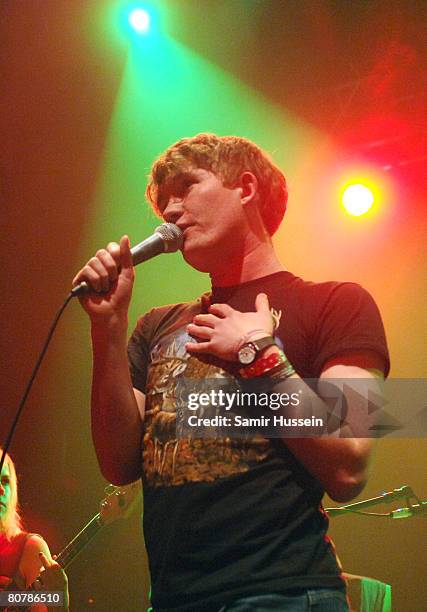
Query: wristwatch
249	351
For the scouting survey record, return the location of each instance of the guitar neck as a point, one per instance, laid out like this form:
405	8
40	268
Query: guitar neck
70	552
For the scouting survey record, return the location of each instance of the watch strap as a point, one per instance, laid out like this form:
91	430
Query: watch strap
262	343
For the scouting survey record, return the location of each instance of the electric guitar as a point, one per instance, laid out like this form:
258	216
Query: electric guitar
118	503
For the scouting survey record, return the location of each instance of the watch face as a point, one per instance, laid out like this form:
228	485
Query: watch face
246	354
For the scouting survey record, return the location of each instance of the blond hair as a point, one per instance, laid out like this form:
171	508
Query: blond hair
11	523
227	157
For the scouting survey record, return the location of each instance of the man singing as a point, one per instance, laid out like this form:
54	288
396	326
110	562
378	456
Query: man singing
230	525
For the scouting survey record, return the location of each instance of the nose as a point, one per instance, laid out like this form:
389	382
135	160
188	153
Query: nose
173	210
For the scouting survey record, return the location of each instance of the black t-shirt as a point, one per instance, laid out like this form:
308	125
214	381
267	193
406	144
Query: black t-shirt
228	518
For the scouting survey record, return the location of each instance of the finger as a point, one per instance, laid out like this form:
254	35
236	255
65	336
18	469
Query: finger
109	264
261	303
55	568
221	310
114	249
125	254
44	561
102	282
209	320
198	347
200	332
91	273
50	568
85	274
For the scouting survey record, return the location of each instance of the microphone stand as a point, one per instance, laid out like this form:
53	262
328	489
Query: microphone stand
387	497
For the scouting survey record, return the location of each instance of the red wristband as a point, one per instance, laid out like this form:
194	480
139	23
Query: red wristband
265	365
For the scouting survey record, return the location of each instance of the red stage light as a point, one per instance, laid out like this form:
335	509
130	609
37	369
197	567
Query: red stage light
357	199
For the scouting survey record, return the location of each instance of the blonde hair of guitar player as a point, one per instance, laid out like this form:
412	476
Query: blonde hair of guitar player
35	558
10	519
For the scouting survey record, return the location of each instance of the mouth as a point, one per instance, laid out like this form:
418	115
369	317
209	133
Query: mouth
184	229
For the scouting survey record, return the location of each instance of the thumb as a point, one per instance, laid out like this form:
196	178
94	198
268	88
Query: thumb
44	560
261	303
125	254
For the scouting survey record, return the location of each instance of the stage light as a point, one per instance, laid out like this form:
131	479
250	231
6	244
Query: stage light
139	19
357	199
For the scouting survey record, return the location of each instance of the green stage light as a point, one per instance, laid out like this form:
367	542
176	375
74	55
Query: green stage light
169	92
139	19
135	22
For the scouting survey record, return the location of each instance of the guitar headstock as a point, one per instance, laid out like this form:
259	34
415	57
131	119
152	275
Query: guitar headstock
119	502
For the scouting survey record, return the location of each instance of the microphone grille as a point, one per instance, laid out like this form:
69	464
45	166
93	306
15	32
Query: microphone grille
172	236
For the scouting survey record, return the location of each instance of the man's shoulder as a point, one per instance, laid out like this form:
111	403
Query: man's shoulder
323	291
313	302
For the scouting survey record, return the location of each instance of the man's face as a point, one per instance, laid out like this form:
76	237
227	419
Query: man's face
4	490
209	214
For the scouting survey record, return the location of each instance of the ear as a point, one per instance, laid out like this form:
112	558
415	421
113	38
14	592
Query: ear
248	184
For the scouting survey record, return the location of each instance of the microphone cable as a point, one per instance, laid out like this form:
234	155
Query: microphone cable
167	238
32	378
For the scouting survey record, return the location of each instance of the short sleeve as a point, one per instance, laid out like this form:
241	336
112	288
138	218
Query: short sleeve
138	353
349	322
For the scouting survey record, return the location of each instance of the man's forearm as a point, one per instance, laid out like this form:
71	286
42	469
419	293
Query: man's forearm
116	422
340	464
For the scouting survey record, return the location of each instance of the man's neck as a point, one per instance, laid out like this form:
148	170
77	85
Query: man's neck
259	262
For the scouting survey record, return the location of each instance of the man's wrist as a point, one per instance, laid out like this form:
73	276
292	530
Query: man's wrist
250	351
114	326
254	334
272	364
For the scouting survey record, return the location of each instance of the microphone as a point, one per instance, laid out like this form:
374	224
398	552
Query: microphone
167	238
416	509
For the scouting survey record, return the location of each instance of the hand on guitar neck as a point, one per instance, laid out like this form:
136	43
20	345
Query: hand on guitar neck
118	503
52	578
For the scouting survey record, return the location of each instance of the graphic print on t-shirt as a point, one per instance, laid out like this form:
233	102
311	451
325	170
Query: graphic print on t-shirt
169	460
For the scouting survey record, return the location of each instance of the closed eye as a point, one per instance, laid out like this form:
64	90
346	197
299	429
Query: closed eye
178	187
183	185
